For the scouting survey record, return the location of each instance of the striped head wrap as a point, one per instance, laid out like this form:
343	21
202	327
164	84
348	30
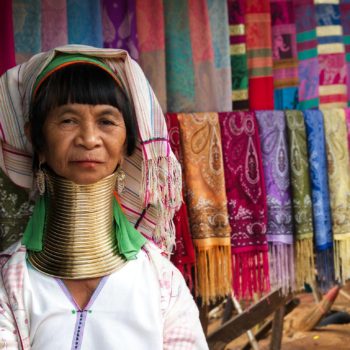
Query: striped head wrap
152	191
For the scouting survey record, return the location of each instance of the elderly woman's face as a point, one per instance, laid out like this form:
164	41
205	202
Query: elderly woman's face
84	143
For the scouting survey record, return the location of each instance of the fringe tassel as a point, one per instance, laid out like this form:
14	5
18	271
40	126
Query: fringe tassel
250	273
282	266
342	259
305	266
325	269
161	186
213	273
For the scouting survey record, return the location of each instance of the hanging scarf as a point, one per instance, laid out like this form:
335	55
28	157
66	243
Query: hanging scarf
301	191
285	63
7	45
206	200
151	39
347	119
259	53
331	56
339	187
320	198
246	202
119	25
84	22
305	21
344	18
27	23
183	255
238	51
54	24
150	202
273	136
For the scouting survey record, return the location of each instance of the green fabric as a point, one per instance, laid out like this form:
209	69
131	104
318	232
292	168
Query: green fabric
33	234
300	178
66	58
129	240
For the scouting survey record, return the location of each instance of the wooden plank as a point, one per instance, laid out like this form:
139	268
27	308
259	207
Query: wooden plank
238	325
277	329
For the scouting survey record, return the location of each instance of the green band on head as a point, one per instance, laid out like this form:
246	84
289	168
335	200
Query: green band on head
64	60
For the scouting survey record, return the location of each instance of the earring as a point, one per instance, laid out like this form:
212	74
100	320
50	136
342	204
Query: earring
120	183
40	179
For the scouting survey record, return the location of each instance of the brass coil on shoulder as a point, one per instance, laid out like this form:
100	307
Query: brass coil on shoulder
79	239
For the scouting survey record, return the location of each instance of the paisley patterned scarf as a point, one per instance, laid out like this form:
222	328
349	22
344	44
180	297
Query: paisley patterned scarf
301	191
320	198
273	136
183	256
339	187
344	17
206	199
246	202
238	54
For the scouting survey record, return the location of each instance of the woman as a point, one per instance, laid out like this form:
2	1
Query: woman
84	275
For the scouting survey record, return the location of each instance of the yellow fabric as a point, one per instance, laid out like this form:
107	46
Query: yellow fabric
339	188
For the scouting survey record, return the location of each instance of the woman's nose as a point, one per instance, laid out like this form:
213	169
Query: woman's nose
89	136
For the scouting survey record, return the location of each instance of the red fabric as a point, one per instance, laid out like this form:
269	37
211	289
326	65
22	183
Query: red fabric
183	256
261	93
246	201
7	43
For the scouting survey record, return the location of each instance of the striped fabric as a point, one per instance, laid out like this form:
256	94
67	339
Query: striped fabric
144	187
285	63
259	53
331	55
238	53
305	21
345	22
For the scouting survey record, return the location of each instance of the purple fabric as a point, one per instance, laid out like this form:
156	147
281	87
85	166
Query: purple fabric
272	128
119	25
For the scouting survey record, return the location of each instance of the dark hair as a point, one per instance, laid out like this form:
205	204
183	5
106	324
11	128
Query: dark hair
79	83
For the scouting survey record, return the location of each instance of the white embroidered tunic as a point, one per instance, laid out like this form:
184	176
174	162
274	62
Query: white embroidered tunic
123	313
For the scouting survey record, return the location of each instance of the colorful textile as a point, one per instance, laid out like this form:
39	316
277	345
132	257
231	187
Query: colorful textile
301	191
238	53
273	136
54	24
339	188
171	305
305	21
259	53
148	203
27	22
331	55
344	18
151	40
206	200
119	25
197	76
183	255
84	22
7	44
320	198
246	202
347	118
285	63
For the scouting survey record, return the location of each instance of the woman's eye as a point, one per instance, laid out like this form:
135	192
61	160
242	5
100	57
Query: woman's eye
107	122
67	121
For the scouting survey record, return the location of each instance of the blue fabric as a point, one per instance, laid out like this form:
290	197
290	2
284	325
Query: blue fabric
286	98
319	179
84	22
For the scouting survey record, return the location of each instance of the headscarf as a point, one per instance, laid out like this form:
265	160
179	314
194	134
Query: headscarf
152	191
